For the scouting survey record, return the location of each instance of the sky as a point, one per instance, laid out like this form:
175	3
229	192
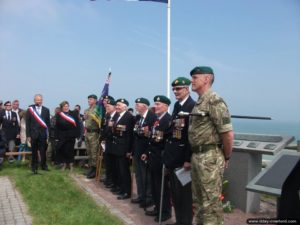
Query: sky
63	49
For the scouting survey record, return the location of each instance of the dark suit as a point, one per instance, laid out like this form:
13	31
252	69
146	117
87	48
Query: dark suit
122	144
177	151
38	135
141	142
66	133
154	152
9	126
111	172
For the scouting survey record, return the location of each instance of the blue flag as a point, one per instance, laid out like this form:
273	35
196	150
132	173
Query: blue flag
99	109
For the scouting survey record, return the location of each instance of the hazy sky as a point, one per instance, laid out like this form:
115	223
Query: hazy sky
64	48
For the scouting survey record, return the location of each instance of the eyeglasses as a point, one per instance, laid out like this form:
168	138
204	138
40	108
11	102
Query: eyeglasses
177	88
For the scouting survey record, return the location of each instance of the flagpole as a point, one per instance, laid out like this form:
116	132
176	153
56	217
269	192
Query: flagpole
168	47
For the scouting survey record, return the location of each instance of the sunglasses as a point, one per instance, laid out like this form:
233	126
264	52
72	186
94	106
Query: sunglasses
177	88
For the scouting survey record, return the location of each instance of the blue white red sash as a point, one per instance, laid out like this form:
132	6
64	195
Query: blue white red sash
67	118
37	117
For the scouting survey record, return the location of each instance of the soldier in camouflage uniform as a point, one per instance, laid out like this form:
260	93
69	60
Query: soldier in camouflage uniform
211	137
92	136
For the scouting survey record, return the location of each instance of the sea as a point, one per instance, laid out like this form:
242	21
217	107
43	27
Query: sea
267	127
270	127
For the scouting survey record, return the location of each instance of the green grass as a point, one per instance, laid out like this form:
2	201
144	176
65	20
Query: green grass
54	198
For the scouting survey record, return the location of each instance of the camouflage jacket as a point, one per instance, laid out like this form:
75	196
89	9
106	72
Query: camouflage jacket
208	129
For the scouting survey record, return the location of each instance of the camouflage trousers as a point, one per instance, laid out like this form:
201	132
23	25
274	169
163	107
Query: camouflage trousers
92	147
207	175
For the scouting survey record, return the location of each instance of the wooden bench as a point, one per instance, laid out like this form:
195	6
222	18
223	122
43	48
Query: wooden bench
23	154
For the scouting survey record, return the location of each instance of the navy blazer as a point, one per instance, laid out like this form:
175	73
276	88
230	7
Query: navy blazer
123	135
140	140
33	128
107	131
10	127
177	151
155	149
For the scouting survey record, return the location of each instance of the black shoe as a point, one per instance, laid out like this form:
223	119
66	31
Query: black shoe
90	171
34	171
118	193
153	212
109	185
145	204
124	196
115	189
92	174
136	200
163	218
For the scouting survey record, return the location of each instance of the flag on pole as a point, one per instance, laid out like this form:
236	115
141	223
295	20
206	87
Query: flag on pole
99	110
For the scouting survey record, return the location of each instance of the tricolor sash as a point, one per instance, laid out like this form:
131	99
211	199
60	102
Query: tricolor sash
67	118
37	117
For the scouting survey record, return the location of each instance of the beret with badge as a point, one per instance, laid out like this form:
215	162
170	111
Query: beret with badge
181	81
110	100
123	100
162	98
142	100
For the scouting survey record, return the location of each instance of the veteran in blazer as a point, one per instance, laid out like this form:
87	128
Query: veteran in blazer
178	152
143	123
122	146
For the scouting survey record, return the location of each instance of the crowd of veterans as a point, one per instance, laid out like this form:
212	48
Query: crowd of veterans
196	137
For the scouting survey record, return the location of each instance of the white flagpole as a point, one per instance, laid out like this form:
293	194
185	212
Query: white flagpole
168	47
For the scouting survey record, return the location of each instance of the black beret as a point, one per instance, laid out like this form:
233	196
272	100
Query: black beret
7	102
110	100
93	96
142	100
123	100
181	81
202	70
162	98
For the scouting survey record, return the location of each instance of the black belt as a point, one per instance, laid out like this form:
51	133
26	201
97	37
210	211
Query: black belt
205	148
92	130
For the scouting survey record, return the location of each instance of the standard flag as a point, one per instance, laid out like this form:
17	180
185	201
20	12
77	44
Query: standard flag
99	109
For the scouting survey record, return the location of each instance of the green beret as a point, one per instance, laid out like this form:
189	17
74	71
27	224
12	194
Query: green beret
6	103
123	100
181	81
110	100
142	100
106	97
162	98
93	96
201	70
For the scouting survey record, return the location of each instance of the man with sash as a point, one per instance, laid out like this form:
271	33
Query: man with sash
178	153
92	136
37	124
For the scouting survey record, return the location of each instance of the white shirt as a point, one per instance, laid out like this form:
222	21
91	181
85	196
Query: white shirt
121	114
184	100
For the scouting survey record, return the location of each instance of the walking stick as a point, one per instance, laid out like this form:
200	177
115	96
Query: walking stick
161	194
146	176
99	163
132	175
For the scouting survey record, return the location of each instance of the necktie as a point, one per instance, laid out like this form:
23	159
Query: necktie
141	121
9	116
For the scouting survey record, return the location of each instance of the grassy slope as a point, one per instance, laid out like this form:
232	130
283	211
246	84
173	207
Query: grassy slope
54	198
